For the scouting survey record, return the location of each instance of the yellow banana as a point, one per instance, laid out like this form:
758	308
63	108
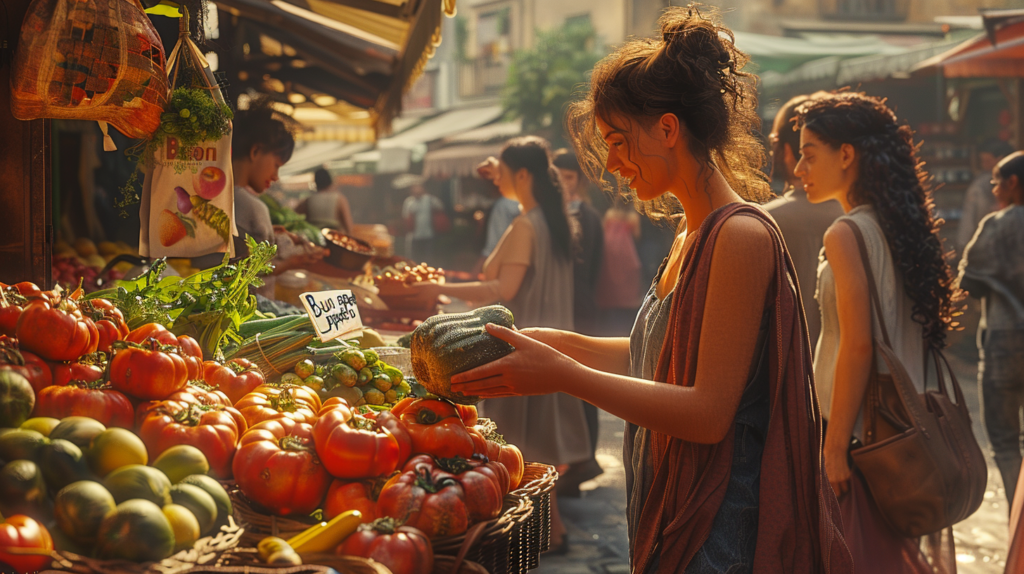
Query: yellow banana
324	537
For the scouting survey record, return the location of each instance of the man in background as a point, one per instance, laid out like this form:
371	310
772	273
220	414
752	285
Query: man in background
803	223
418	213
978	200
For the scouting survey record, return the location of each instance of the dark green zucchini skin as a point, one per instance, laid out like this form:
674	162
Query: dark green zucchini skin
446	345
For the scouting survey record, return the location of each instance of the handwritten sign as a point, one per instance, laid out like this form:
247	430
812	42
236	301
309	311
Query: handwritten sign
334	313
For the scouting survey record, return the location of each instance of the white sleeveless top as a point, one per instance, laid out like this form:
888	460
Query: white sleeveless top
904	333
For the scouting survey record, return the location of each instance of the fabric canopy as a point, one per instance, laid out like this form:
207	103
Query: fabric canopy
457	161
780	54
999	54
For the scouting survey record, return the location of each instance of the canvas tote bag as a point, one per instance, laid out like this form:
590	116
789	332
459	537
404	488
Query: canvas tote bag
920	459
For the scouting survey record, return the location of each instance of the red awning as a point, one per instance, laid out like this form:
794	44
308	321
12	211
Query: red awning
997	55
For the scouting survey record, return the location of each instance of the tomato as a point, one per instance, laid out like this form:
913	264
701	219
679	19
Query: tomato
54	328
484	484
152	331
497	450
212	429
20	531
354	446
26	364
435	427
190	346
66	373
468	414
96	400
147	371
358	495
236	378
426	498
267	403
276	465
402	549
193	356
194	392
12	303
109	322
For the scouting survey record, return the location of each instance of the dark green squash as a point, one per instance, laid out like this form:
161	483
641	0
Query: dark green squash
446	345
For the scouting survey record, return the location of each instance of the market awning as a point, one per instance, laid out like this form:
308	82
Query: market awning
457	161
780	54
350	60
443	125
999	53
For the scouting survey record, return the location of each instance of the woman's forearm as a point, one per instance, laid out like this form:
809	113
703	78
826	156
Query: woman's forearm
853	369
479	292
608	354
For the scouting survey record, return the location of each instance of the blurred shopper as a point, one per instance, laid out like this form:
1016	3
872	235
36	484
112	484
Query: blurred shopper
531	273
424	216
504	210
722	450
803	223
855	151
619	290
979	200
586	269
992	269
328	207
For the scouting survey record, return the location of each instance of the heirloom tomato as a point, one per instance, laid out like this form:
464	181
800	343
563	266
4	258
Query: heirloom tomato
152	331
193	356
235	378
402	549
468	413
96	400
109	322
289	401
26	364
148	370
20	532
497	450
12	303
277	466
53	327
353	446
360	495
212	429
193	392
426	498
484	484
81	370
435	427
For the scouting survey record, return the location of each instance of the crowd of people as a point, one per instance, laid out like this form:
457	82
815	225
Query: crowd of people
747	370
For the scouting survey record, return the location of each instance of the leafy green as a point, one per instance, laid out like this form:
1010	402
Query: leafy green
292	221
210	305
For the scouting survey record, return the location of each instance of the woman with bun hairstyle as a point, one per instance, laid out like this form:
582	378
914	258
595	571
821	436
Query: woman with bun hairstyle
722	448
854	150
530	271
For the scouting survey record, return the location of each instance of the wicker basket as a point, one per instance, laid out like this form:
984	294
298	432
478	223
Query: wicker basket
537	484
207	550
489	543
248	560
259	524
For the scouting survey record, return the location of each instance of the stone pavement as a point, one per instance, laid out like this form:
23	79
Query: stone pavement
597	521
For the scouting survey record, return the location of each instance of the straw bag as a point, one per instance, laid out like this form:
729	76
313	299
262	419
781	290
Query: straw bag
921	462
188	197
98	60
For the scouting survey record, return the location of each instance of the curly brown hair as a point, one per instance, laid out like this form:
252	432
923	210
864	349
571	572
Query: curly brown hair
693	70
894	183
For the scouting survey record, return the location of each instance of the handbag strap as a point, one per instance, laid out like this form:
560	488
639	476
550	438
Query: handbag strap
876	304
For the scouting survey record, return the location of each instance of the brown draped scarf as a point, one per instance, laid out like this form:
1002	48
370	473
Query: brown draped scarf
799	525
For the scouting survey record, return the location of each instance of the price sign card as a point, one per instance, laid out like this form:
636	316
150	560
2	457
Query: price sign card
334	313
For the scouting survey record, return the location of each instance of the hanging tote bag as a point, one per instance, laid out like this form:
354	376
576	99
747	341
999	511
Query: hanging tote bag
920	459
98	60
188	199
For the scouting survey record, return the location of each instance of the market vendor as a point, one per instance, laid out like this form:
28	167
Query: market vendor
261	144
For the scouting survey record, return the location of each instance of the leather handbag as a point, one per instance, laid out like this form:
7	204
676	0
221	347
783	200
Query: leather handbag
920	459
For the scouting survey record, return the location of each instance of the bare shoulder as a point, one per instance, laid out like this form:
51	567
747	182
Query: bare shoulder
746	236
839	236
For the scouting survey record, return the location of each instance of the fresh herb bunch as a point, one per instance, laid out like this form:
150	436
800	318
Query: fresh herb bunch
192	116
210	305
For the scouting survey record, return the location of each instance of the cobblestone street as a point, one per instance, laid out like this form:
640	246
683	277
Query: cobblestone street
597	521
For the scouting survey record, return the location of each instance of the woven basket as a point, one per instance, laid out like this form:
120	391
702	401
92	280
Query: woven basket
489	543
259	524
446	565
537	484
207	550
248	560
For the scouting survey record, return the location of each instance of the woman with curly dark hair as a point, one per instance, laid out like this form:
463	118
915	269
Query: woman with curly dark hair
722	447
855	151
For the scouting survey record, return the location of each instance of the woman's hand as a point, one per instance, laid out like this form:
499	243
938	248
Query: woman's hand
837	465
532	369
424	289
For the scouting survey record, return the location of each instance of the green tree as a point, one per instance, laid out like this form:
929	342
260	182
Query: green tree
543	79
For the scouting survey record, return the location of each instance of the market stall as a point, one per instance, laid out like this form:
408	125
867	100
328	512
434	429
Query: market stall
166	425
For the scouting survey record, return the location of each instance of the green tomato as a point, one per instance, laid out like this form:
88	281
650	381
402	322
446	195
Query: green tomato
291	379
344	374
365	376
391	396
371	356
353	358
374	397
394	374
305	368
382	382
314	382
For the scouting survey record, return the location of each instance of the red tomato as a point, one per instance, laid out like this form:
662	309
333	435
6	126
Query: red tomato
193	355
190	346
96	400
194	392
268	403
20	531
212	429
109	322
402	549
484	484
426	498
276	465
34	369
236	378
354	446
65	373
147	371
468	414
358	495
12	303
498	450
152	331
54	328
435	427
